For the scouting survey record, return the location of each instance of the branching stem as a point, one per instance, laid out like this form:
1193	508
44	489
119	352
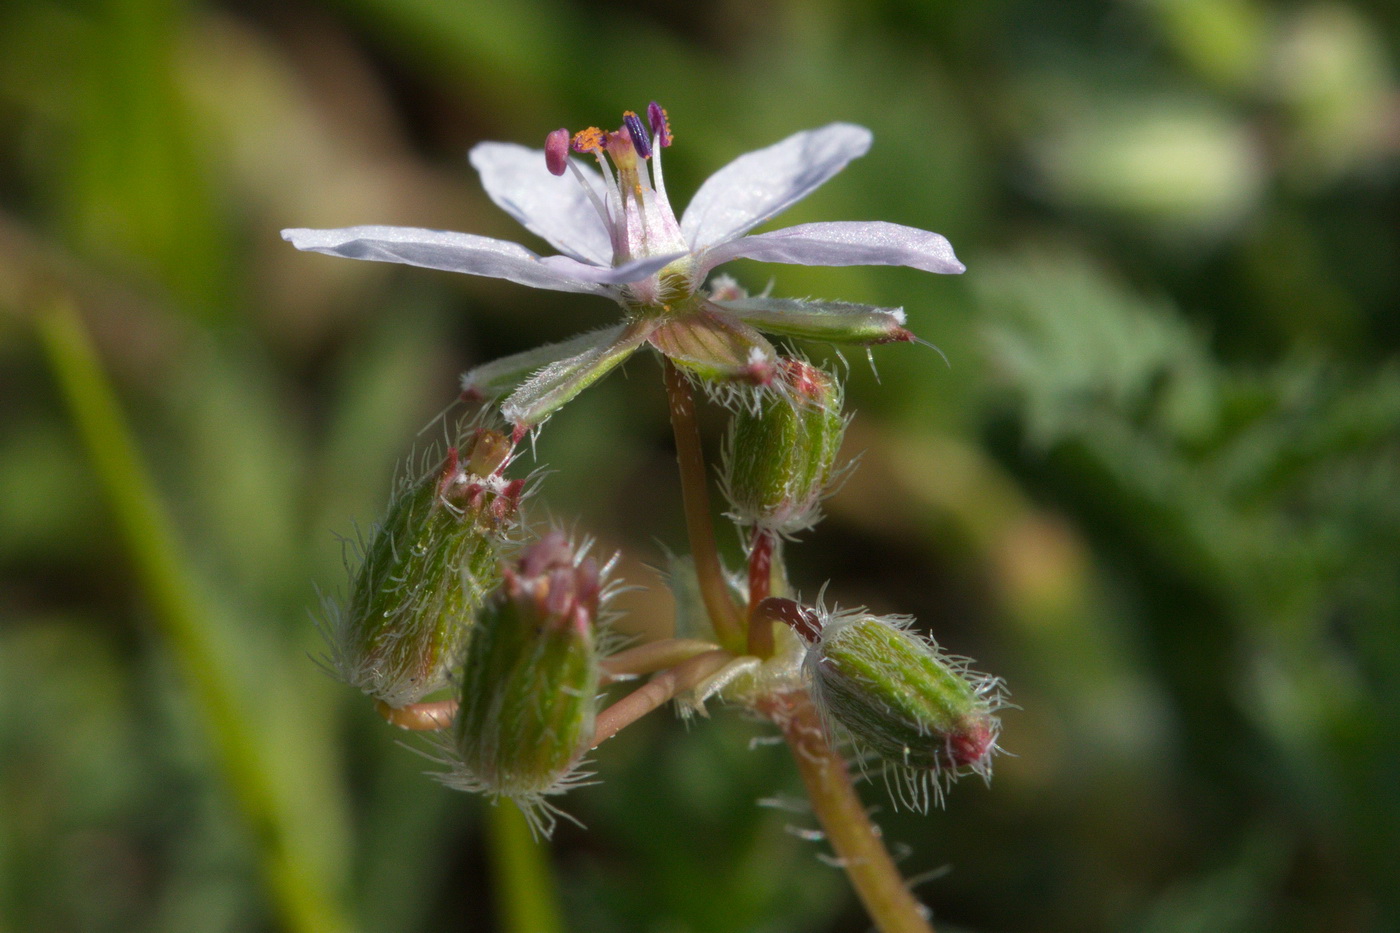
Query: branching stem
656	692
834	799
654	656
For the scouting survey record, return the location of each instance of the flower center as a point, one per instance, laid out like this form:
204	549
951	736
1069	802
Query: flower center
633	203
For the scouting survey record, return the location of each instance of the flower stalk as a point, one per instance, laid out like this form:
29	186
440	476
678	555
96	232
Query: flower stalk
657	692
838	807
760	586
419	717
695	496
653	656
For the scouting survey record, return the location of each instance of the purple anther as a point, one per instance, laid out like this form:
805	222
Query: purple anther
640	142
660	126
556	151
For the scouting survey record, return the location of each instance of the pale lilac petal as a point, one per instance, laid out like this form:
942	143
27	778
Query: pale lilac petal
474	255
557	383
554	208
633	271
760	184
854	243
836	321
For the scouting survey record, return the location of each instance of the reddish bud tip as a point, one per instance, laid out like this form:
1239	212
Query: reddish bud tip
505	505
556	151
451	470
549	553
760	370
970	745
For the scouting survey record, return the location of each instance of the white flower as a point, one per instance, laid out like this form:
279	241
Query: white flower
618	236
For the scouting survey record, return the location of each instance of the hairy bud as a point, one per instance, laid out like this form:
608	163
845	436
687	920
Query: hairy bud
782	450
427	569
530	681
899	696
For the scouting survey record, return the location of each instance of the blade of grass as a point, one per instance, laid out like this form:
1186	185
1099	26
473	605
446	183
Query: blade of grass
301	896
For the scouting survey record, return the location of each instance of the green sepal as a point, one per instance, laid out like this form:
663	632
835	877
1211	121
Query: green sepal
557	383
497	377
529	682
833	321
900	697
782	449
429	565
528	700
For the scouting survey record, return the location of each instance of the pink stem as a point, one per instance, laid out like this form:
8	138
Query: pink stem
655	692
420	717
760	585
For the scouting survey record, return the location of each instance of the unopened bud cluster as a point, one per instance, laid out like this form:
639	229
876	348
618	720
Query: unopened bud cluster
425	572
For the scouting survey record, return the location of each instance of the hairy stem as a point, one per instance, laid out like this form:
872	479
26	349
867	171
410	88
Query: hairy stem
760	586
656	692
654	656
834	800
714	589
420	717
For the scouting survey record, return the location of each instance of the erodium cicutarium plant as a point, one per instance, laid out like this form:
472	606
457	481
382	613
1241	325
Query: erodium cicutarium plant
465	620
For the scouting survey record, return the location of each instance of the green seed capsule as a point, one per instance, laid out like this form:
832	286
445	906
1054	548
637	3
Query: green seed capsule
899	696
530	681
782	453
428	567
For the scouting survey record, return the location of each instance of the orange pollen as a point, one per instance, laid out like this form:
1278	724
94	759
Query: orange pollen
666	136
590	140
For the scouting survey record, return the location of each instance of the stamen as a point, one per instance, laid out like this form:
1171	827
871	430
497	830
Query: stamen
633	123
556	151
661	137
660	126
590	140
592	195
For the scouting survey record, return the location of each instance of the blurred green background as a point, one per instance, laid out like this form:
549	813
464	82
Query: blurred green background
1157	488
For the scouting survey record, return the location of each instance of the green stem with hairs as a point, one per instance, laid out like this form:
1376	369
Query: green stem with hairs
855	839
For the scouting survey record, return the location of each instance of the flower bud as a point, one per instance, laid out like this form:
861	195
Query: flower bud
900	697
782	450
530	681
426	570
